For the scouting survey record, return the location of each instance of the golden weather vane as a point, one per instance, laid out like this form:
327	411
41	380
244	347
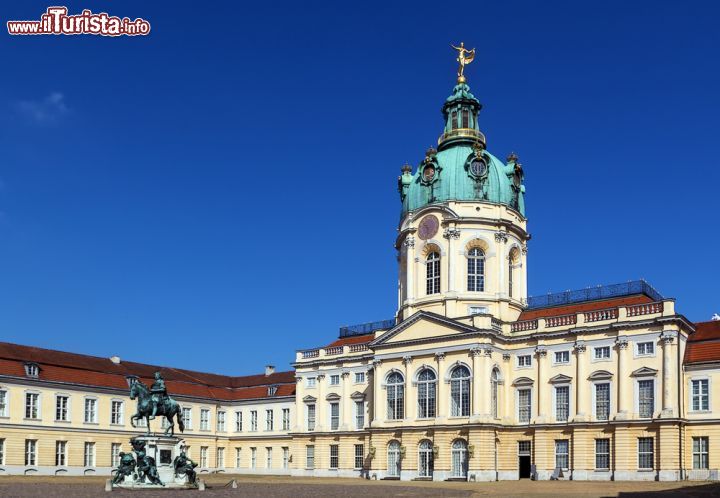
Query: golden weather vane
464	57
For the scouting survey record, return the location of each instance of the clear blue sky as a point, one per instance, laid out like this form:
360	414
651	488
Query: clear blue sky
223	191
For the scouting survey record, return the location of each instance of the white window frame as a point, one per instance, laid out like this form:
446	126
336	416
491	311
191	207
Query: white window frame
121	413
205	421
220	422
31	452
701	453
93	402
359	377
89	454
187	420
554	401
2	451
334	380
334	418
238	457
238	421
637	395
286	457
310	456
5	407
61	453
565	353
334	456
609	450
268	457
38	405
526	358
203	457
311	421
566	443
652	467
253	457
361	456
517	404
253	420
637	352
692	396
115	455
359	415
269	419
67	407
310	382
286	419
220	458
605	347
594	399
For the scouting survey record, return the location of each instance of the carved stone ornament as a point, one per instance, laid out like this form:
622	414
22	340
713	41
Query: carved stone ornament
409	241
407	359
621	343
579	347
506	356
501	236
476	351
439	356
541	351
451	233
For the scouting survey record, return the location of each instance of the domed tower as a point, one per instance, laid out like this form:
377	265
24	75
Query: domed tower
462	236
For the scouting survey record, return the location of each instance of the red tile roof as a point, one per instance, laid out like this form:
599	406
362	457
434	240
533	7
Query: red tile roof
347	341
704	344
568	309
72	368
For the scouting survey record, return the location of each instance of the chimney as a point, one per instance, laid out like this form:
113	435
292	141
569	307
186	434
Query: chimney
115	359
269	370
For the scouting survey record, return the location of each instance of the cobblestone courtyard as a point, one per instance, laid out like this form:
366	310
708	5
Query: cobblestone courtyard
285	487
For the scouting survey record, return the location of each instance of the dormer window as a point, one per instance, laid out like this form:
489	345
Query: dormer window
32	370
272	390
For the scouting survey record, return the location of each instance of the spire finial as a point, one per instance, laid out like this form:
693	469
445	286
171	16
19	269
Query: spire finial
464	58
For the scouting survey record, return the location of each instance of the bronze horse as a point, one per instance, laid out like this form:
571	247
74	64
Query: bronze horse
167	407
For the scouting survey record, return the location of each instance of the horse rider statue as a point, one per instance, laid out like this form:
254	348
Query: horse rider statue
159	393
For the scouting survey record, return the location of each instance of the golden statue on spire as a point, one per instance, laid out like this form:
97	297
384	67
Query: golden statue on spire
464	57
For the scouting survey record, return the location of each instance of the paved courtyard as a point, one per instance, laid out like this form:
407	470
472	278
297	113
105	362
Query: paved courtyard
286	487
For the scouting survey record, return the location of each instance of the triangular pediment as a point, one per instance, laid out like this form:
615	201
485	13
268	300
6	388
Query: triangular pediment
644	372
424	326
309	399
560	379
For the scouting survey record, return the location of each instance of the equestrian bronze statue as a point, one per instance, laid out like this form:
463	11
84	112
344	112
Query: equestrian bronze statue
155	402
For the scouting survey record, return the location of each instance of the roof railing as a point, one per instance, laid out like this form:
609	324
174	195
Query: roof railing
594	294
366	328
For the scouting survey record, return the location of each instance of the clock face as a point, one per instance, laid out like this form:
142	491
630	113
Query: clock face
428	227
428	173
478	167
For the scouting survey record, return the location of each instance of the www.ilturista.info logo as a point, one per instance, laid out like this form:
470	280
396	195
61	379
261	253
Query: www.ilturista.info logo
56	21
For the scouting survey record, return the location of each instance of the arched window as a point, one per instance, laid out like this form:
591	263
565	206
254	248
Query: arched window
395	396
453	120
494	380
476	270
460	392
393	468
432	268
459	458
425	459
465	118
426	393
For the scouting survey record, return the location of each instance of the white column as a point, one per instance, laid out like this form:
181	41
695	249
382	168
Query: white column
580	382
410	267
377	393
477	359
541	384
346	412
500	240
299	406
484	387
450	234
320	412
508	411
668	339
441	403
410	407
622	382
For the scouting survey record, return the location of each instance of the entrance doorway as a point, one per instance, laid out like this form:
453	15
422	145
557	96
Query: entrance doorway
524	459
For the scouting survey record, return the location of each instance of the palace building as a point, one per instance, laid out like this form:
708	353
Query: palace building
471	380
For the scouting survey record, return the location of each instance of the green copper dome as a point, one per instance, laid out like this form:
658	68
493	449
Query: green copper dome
461	169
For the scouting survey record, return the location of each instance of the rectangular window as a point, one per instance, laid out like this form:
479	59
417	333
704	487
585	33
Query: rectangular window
646	398
334	416
60	453
465	118
220	458
359	414
334	456
524	406
286	457
562	357
268	459
562	453
602	454
253	421
359	456
310	457
238	421
61	408
204	419
32	406
90	410
115	455
2	452
238	459
89	455
700	452
334	380
602	401
286	419
203	457
221	421
310	382
359	377
524	360
253	458
700	395
30	452
645	453
602	353
645	348
311	417
187	418
3	403
116	412
562	403
269	420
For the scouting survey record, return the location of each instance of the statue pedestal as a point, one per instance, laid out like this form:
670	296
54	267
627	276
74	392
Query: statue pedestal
163	449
